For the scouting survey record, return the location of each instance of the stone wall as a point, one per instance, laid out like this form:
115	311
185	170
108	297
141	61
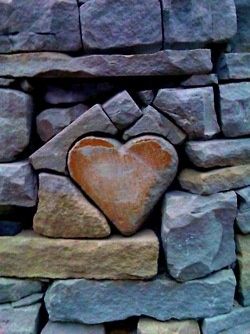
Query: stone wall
125	167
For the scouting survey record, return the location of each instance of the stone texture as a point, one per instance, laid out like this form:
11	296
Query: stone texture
15	123
243	248
150	326
234	66
8	228
56	65
72	328
29	300
200	80
235	109
53	154
17	184
192	109
94	302
4	82
52	121
64	212
198	236
243	215
153	122
219	153
39	26
146	96
114	258
122	110
110	25
132	176
205	183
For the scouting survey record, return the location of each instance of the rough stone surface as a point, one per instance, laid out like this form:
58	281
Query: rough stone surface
153	122
205	183
39	26
243	215
122	110
54	65
219	153
198	236
15	123
9	228
71	328
17	184
235	109
109	25
29	300
64	212
52	121
114	258
200	80
146	96
53	154
132	176
149	326
234	66
243	247
161	298
192	109
4	82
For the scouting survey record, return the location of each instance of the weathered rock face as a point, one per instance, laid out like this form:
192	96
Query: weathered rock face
198	236
146	96
200	80
39	26
15	123
243	247
234	66
64	212
103	20
4	82
70	328
161	298
243	215
114	258
8	228
29	300
149	326
192	109
132	176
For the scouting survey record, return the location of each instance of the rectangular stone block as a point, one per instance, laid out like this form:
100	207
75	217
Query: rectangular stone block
234	66
243	247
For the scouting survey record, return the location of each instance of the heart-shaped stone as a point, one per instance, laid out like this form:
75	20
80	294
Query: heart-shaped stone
125	181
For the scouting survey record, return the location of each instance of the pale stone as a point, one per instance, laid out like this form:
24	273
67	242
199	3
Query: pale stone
243	248
150	326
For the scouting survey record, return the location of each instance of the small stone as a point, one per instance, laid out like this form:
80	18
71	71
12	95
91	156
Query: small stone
17	184
122	110
8	228
243	248
53	155
153	122
234	66
192	109
198	237
94	302
146	96
206	183
29	300
243	215
64	212
72	328
26	86
219	153
132	176
4	82
52	121
235	109
201	80
150	326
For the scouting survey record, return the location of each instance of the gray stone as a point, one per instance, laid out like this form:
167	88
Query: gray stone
234	66
150	326
39	26
125	25
192	109
17	184
219	153
206	183
29	300
26	86
243	215
122	110
52	121
15	123
200	80
243	257
146	96
198	236
56	65
235	109
53	154
12	290
4	82
72	328
93	302
235	322
154	122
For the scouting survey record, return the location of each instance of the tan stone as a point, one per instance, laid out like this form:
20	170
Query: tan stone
32	255
125	181
150	326
243	247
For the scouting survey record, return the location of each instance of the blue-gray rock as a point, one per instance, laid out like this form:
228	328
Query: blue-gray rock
192	109
29	300
124	25
234	66
18	184
235	109
72	328
243	215
219	153
50	25
201	80
198	236
4	82
8	228
146	96
15	123
243	257
93	302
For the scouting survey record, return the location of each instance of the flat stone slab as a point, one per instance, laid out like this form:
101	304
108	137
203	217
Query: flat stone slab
243	215
72	328
243	248
93	302
150	326
234	66
56	65
201	80
114	258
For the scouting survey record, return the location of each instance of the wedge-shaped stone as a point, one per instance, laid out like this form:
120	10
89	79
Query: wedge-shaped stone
114	258
93	302
243	247
243	215
201	80
72	328
150	326
234	66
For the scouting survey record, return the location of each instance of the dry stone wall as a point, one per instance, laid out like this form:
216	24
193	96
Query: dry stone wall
124	167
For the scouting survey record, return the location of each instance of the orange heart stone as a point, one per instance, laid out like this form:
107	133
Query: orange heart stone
125	181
